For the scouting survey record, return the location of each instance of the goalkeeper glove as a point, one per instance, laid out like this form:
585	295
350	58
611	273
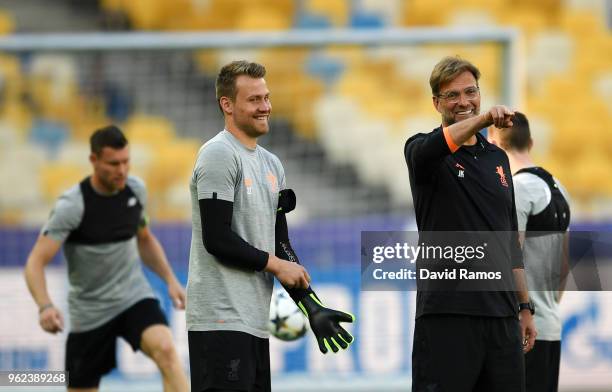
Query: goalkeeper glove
324	323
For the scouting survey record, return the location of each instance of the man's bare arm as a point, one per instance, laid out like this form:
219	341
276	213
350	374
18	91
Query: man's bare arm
153	255
42	253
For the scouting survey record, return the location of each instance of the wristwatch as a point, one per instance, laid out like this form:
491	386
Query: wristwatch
527	305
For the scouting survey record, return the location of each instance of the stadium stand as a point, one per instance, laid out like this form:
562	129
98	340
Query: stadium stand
341	115
333	102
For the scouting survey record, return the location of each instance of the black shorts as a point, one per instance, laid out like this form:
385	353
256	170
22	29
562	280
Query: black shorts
91	354
542	366
457	353
229	361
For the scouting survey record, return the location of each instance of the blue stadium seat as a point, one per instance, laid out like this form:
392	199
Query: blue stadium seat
324	67
362	20
49	134
307	20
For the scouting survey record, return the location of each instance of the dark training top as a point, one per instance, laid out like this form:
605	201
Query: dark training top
543	213
555	217
107	219
467	188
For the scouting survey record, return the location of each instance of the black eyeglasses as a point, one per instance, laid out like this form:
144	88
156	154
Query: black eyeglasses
455	96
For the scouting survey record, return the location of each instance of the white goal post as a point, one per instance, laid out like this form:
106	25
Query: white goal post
507	37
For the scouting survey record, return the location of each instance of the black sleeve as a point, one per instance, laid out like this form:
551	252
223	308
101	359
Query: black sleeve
222	242
424	152
285	251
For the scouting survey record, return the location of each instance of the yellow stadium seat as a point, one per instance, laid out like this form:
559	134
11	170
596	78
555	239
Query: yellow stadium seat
151	130
285	7
307	92
53	85
293	98
582	22
338	11
293	91
215	15
588	177
425	13
482	4
207	61
357	84
57	177
112	5
263	19
145	14
214	21
602	85
85	117
171	163
17	114
153	14
7	24
525	19
563	86
10	73
593	54
582	127
471	17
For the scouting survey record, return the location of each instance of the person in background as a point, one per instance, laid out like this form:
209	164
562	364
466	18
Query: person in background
103	227
543	213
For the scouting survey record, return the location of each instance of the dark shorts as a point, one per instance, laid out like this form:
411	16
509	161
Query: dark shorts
91	354
542	366
229	361
456	353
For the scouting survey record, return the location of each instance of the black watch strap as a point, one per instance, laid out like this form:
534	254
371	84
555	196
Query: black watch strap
527	305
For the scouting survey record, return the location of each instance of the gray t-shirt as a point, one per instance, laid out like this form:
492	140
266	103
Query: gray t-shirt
105	279
542	254
220	297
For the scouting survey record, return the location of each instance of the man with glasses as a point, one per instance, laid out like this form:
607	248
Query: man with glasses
460	183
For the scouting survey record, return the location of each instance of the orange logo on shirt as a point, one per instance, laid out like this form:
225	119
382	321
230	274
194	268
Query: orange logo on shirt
272	182
248	183
502	176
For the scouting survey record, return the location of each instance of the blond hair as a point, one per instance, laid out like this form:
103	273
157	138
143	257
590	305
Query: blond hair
225	85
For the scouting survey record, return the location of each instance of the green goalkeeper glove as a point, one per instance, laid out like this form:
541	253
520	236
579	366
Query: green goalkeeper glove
324	323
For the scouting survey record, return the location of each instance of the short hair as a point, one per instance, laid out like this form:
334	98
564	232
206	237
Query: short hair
448	69
225	85
109	136
518	136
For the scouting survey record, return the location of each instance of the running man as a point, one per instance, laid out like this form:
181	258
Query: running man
102	225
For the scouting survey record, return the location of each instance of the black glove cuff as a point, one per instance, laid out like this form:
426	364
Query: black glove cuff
286	200
310	304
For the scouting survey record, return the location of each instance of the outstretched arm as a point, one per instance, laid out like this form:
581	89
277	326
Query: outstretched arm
154	257
460	132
